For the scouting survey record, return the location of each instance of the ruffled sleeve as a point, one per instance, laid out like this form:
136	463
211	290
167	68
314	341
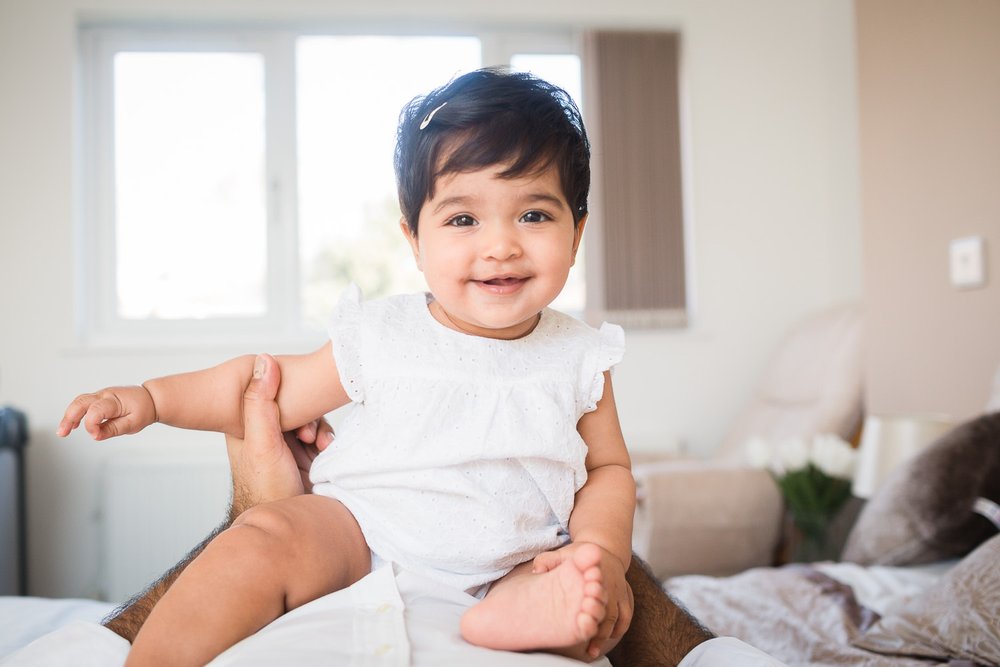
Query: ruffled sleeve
608	352
345	332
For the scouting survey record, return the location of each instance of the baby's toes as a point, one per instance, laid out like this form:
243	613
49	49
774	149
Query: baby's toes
593	575
594	589
587	556
595	609
586	625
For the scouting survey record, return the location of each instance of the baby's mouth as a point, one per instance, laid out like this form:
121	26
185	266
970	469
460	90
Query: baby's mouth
502	285
503	282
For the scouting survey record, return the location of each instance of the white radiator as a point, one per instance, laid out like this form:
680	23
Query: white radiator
155	507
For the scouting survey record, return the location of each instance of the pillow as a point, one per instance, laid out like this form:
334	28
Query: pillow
923	513
957	618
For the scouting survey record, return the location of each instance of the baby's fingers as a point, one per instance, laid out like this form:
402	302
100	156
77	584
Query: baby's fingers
606	627
105	418
110	412
625	611
75	413
598	644
547	560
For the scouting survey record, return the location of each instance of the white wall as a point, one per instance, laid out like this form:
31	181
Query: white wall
773	174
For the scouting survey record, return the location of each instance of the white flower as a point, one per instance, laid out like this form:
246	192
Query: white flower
833	456
793	454
758	452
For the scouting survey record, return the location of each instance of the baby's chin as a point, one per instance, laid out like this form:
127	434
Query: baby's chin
511	329
501	328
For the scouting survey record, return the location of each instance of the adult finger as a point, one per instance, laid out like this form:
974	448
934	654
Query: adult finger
307	433
263	467
318	433
303	455
324	434
260	412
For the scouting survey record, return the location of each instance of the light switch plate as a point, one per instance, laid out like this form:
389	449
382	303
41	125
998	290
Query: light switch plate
968	262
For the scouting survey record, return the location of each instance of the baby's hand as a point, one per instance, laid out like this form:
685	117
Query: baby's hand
620	602
110	412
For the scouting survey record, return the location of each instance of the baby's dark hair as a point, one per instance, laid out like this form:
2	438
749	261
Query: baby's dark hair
488	117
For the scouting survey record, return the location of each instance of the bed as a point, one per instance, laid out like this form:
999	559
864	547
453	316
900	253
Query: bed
846	614
919	585
802	615
919	582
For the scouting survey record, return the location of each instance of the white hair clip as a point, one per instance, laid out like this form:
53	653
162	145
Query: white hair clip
429	117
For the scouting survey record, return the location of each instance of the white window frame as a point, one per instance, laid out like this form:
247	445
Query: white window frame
98	317
98	323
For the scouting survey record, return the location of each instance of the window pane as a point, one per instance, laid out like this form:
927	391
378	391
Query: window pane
190	201
562	70
347	116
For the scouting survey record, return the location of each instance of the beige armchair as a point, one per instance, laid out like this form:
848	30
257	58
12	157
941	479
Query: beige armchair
720	516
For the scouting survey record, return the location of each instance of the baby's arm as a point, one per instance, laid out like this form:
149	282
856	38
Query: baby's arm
605	505
210	399
602	515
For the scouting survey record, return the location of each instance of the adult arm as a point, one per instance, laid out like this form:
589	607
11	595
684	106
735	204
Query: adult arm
265	466
602	514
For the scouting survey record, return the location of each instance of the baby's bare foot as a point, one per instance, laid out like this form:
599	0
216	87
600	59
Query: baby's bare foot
552	610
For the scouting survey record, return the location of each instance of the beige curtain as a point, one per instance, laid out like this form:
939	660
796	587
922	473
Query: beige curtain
633	112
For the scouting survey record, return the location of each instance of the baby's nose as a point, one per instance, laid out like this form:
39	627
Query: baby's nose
500	243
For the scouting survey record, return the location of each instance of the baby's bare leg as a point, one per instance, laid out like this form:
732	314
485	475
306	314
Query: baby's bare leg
556	611
274	558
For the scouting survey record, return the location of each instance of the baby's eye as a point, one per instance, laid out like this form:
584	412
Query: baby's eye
535	216
462	221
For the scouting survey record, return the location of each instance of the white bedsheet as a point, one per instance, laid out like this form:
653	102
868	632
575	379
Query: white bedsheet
388	619
24	619
879	587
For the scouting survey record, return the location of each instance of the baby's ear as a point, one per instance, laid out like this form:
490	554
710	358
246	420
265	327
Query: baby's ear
578	234
411	238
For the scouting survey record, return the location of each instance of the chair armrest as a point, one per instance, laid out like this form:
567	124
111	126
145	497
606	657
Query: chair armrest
701	517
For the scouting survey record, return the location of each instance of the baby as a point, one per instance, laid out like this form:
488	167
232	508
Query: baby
482	447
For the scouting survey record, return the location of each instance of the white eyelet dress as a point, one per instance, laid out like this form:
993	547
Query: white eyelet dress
459	456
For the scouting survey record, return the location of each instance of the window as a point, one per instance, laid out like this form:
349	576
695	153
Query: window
348	217
189	160
234	182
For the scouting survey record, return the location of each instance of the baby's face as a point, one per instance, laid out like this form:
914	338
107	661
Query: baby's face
495	251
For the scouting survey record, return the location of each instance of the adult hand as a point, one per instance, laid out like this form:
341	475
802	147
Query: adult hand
267	465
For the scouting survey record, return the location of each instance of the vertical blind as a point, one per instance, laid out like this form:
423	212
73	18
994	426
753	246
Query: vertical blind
633	103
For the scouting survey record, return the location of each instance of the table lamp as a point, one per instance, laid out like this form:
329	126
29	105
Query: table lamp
888	441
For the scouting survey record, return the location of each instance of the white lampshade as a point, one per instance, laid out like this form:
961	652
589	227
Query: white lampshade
888	441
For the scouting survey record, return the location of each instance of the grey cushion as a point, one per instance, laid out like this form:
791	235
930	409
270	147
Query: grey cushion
923	513
957	618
